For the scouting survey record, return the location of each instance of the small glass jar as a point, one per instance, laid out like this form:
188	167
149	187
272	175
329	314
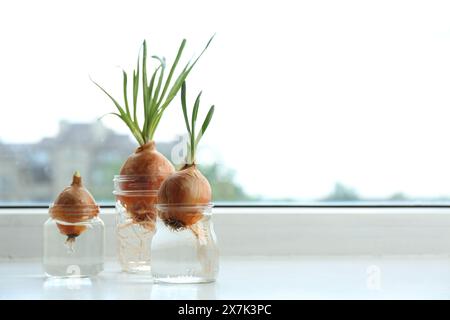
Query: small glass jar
74	240
136	198
184	248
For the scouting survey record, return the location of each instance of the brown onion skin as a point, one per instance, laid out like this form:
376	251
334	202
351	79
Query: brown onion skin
185	187
66	204
145	161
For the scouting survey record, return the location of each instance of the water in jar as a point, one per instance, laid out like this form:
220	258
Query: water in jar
82	256
185	255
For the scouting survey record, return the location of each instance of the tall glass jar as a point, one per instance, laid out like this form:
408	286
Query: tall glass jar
184	248
136	220
74	238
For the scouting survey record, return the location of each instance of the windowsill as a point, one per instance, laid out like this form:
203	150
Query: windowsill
275	231
320	277
301	253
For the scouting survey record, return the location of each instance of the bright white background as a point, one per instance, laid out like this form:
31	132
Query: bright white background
307	93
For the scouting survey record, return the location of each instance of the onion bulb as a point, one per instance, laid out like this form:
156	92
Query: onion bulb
73	206
188	187
149	169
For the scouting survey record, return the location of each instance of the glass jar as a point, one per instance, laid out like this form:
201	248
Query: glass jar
136	198
184	248
74	240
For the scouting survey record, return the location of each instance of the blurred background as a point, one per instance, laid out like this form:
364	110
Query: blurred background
316	101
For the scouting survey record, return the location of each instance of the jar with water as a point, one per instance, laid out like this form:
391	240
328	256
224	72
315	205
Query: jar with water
136	198
74	235
73	241
184	248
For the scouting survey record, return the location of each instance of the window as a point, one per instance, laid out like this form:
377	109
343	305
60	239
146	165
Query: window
315	101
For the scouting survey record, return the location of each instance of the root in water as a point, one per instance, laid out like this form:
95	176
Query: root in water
174	224
134	240
199	233
203	250
197	229
70	243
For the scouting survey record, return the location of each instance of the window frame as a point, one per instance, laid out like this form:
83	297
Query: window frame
281	230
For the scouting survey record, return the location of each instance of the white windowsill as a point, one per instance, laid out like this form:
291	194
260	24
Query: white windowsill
317	277
301	253
276	231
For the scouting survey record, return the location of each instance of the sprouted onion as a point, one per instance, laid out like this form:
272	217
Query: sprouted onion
188	187
73	206
158	91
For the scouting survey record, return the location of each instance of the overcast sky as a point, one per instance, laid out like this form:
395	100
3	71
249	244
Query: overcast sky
307	93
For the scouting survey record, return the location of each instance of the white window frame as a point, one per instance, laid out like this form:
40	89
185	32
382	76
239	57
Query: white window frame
275	231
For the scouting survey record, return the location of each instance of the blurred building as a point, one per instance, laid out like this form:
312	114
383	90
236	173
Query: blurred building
37	172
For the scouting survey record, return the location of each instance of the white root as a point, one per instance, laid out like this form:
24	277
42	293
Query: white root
70	244
201	233
135	246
